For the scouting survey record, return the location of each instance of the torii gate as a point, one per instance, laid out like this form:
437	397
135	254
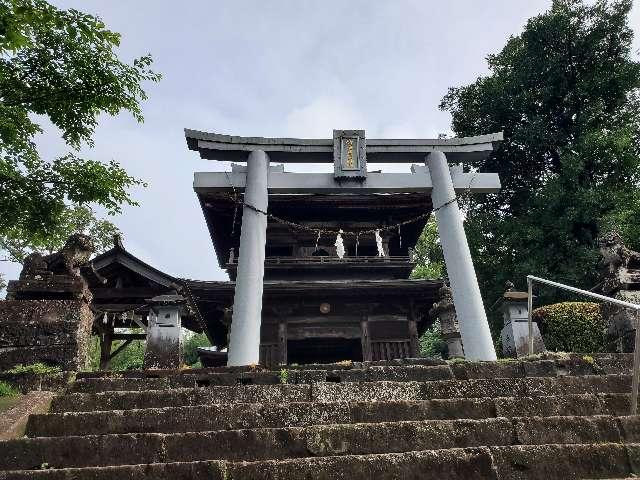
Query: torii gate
350	151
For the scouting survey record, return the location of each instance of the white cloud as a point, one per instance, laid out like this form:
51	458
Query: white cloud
318	118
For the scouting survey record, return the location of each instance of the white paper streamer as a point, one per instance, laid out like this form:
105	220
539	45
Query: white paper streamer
340	245
379	243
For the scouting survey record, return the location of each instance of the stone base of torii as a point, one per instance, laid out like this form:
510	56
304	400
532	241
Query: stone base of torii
349	152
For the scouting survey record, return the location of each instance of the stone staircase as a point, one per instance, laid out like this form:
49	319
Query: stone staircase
554	418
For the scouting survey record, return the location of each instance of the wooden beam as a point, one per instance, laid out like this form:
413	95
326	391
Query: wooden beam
282	340
120	348
118	307
128	336
365	340
279	183
139	323
413	331
134	292
105	345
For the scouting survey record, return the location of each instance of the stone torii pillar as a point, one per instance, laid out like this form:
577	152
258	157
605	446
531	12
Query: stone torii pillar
244	343
472	319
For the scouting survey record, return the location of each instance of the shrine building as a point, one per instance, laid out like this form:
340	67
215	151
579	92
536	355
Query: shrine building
319	264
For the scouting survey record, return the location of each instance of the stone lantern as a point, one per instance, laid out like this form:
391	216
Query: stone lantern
164	340
445	311
515	333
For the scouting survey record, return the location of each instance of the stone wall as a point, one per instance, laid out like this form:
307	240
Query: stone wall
54	332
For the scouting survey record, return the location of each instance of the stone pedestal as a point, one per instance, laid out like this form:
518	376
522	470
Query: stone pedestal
621	321
164	339
54	332
619	278
515	333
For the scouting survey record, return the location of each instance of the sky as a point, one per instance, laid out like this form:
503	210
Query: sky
280	68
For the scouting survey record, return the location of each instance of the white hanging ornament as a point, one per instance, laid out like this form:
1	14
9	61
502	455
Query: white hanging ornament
379	243
340	245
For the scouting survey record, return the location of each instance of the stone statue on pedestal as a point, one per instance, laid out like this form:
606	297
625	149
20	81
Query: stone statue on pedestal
620	278
46	317
57	275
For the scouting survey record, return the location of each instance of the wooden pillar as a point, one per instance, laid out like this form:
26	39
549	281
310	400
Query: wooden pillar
282	340
105	344
364	336
413	331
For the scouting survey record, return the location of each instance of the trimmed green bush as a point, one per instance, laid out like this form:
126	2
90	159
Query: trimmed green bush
572	327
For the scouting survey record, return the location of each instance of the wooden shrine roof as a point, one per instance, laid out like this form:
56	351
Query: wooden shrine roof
334	211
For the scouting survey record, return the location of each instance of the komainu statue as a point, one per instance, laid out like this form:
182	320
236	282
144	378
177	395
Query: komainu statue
75	254
620	266
57	275
620	278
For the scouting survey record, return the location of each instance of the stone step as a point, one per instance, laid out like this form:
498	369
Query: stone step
371	374
526	462
301	414
346	365
351	372
343	392
607	362
313	441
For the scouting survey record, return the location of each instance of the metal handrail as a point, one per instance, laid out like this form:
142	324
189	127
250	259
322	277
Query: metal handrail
635	376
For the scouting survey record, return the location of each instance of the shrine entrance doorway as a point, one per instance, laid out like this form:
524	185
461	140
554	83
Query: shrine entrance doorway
323	350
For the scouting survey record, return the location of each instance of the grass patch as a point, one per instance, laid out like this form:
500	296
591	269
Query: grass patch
457	360
34	369
8	390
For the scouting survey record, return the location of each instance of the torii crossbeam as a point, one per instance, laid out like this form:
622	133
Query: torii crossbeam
350	152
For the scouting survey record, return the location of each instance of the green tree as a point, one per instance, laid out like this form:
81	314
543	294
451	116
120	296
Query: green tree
130	358
73	219
428	253
431	342
190	347
566	94
60	65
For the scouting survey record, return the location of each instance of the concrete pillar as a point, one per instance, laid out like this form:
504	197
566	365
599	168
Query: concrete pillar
164	339
244	343
472	318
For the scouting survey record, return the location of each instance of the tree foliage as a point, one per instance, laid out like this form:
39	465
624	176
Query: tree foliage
566	94
428	253
432	344
59	65
190	347
73	219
